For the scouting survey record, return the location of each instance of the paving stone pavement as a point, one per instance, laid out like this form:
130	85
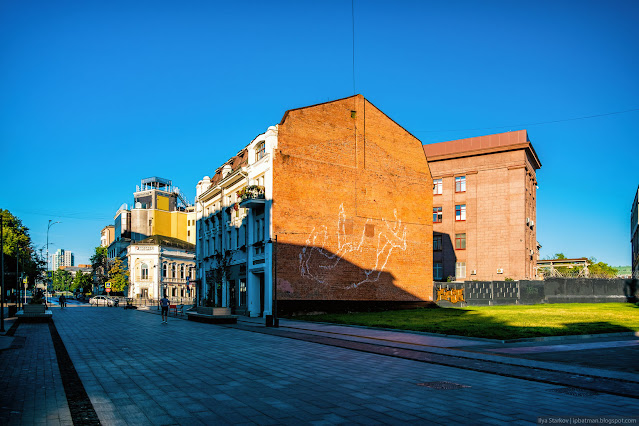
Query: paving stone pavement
136	370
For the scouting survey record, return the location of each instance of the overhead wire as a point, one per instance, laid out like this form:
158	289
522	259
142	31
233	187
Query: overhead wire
531	124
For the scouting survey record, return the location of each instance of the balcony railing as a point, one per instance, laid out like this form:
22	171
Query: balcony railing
251	195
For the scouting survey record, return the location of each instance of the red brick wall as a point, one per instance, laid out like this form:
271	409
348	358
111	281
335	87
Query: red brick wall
352	206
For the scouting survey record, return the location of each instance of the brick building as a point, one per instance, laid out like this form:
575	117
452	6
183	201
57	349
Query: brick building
484	207
342	214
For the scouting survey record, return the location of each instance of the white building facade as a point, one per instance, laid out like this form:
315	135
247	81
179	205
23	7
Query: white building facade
62	258
159	265
234	229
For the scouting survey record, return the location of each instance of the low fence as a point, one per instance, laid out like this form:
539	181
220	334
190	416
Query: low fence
551	290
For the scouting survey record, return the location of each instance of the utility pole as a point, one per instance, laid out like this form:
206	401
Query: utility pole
47	282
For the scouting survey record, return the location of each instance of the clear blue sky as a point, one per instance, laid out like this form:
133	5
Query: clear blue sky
95	96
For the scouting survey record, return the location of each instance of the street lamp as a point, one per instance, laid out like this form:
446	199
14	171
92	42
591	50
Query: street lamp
51	223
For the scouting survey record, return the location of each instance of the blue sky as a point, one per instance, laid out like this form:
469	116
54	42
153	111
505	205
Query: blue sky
96	96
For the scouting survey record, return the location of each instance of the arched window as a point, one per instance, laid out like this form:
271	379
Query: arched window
260	151
182	271
144	269
164	270
173	271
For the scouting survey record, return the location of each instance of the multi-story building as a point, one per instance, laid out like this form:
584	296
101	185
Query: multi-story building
331	206
161	265
107	235
634	235
62	258
158	209
484	207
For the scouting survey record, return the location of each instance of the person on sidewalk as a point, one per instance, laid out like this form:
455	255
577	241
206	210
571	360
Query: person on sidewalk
62	301
164	304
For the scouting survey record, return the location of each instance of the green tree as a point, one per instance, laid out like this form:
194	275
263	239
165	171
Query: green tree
601	269
62	280
118	276
82	282
17	248
100	265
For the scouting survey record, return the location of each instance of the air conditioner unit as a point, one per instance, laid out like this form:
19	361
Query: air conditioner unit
500	271
473	272
532	252
527	220
532	223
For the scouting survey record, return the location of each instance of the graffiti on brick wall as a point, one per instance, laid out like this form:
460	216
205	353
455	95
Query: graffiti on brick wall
316	262
452	295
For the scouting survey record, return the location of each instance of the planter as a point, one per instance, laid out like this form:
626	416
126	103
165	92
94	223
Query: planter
33	309
214	311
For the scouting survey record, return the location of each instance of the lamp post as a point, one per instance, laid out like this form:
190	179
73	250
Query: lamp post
1	276
51	223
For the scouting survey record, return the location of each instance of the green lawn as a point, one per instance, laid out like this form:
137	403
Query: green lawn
501	322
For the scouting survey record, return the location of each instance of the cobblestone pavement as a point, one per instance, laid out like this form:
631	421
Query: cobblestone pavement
136	370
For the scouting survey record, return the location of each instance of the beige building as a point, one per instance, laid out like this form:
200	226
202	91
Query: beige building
484	207
160	265
106	236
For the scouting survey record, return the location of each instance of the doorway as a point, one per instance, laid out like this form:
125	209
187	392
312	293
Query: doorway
262	294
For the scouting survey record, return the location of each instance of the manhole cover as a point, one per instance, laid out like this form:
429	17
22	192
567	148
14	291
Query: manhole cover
442	385
575	391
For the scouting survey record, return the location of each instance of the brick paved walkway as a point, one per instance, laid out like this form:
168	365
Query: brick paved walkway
138	371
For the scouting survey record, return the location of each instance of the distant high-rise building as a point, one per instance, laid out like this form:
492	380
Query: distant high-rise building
62	258
634	235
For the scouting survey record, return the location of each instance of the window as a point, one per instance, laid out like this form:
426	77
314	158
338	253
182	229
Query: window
460	241
260	151
438	271
460	270
460	184
164	270
242	293
437	214
144	269
437	243
173	271
182	271
437	186
460	212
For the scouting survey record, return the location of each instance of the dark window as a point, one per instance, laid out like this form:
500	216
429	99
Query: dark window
437	243
437	214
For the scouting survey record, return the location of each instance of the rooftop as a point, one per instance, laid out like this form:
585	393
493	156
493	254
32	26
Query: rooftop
481	145
161	240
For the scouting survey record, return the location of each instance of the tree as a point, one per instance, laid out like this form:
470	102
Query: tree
601	269
100	265
62	280
82	282
17	248
118	276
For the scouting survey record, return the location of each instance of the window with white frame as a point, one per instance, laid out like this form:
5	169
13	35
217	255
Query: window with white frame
460	270
437	186
260	151
144	271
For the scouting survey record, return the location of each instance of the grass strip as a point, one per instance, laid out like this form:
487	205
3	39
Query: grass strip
500	322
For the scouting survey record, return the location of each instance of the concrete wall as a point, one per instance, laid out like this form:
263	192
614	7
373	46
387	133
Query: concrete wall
553	290
352	202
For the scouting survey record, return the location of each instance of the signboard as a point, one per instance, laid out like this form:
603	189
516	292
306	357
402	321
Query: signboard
107	285
108	290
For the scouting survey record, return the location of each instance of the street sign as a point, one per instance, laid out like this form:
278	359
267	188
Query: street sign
108	290
107	285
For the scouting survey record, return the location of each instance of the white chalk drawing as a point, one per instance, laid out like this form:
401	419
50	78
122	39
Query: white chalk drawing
316	261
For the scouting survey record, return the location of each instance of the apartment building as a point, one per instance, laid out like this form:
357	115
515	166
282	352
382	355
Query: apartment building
159	208
634	235
484	207
62	258
107	235
330	207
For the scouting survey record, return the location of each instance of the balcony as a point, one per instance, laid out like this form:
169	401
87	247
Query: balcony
251	196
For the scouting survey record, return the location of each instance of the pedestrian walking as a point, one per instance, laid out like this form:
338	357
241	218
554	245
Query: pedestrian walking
164	304
62	300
